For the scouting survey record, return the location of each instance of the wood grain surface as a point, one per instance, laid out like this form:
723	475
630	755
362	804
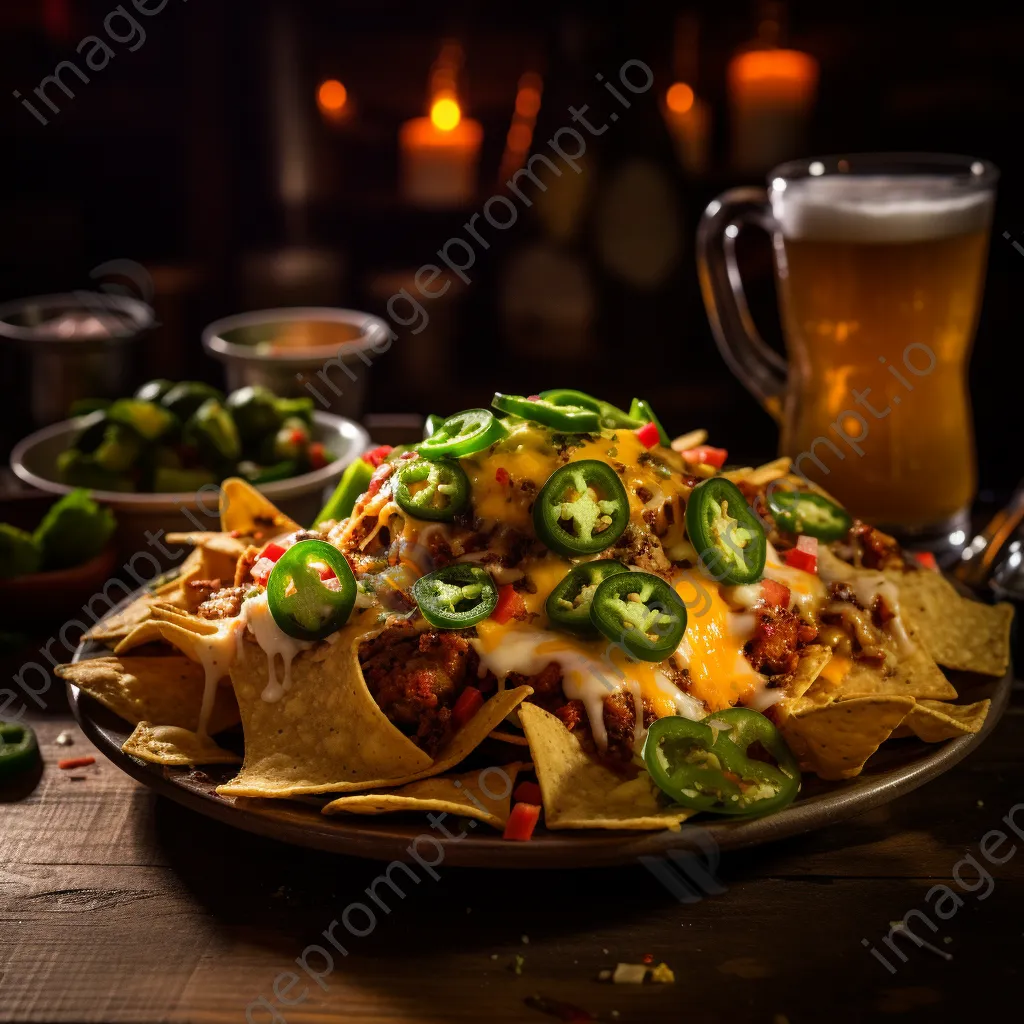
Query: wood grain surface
117	905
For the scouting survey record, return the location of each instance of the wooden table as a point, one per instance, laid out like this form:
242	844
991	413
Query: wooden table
119	906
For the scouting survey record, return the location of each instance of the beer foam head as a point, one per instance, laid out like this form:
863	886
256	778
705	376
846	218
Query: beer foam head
880	209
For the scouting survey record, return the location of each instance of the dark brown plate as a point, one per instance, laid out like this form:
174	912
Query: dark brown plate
897	768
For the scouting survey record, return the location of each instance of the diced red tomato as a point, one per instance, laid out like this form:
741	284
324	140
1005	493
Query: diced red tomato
775	594
510	604
380	474
377	455
648	435
926	560
327	573
533	398
317	455
521	822
297	436
805	555
501	475
527	793
261	571
272	551
705	455
470	701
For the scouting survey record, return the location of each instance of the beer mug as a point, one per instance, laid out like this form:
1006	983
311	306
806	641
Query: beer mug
879	261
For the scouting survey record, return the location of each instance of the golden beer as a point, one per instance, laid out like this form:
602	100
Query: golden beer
880	286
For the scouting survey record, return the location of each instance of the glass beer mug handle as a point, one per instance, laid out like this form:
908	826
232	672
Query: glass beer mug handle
760	369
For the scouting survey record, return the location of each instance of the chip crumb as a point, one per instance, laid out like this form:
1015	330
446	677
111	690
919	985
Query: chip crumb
629	974
663	974
517	965
65	739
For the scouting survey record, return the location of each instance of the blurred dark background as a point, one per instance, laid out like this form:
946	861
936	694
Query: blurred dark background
205	156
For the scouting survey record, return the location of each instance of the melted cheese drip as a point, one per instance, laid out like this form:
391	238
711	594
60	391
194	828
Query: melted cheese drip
273	641
712	647
216	653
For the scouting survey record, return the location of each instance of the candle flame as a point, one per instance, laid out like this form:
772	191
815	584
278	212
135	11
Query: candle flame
679	98
445	113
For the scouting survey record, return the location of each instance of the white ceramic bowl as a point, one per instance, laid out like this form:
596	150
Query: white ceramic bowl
34	460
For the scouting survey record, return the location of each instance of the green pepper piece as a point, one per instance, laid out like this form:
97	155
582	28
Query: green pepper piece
611	416
74	530
431	425
568	605
463	434
172	479
570	419
212	430
20	554
304	604
704	765
456	596
149	420
727	535
640	409
808	513
297	408
154	390
184	399
80	469
119	449
352	484
640	611
443	494
581	509
19	751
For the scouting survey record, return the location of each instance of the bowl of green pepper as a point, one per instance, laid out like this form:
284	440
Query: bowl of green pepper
158	457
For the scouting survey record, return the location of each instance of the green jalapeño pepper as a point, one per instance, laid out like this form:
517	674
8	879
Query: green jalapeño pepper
705	765
581	509
611	416
456	596
727	535
437	491
641	410
19	751
640	611
353	483
431	425
311	590
570	419
463	434
809	513
568	605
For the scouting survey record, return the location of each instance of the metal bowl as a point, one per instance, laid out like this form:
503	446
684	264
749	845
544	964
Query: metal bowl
144	516
301	351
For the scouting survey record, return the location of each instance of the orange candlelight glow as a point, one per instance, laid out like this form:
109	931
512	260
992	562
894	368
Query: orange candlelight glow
774	76
445	113
679	98
331	97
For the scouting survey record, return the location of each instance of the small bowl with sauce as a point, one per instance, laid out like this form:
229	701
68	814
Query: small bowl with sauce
314	351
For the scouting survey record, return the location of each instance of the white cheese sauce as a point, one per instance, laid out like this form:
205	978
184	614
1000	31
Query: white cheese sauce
273	641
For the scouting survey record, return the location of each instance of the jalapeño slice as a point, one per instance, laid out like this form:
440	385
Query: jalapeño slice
640	611
727	535
581	509
572	419
706	765
436	491
311	590
463	434
808	513
610	416
568	605
456	596
19	751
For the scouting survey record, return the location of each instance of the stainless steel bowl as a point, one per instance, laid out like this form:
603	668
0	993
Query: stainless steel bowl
141	517
311	351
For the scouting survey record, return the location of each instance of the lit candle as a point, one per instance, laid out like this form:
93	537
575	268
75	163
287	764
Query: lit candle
771	92
689	121
332	101
440	154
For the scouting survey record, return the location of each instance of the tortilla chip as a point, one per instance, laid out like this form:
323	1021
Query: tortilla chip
327	734
760	475
208	540
813	660
244	509
834	740
463	794
915	675
165	691
579	792
935	721
165	612
170	745
957	632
